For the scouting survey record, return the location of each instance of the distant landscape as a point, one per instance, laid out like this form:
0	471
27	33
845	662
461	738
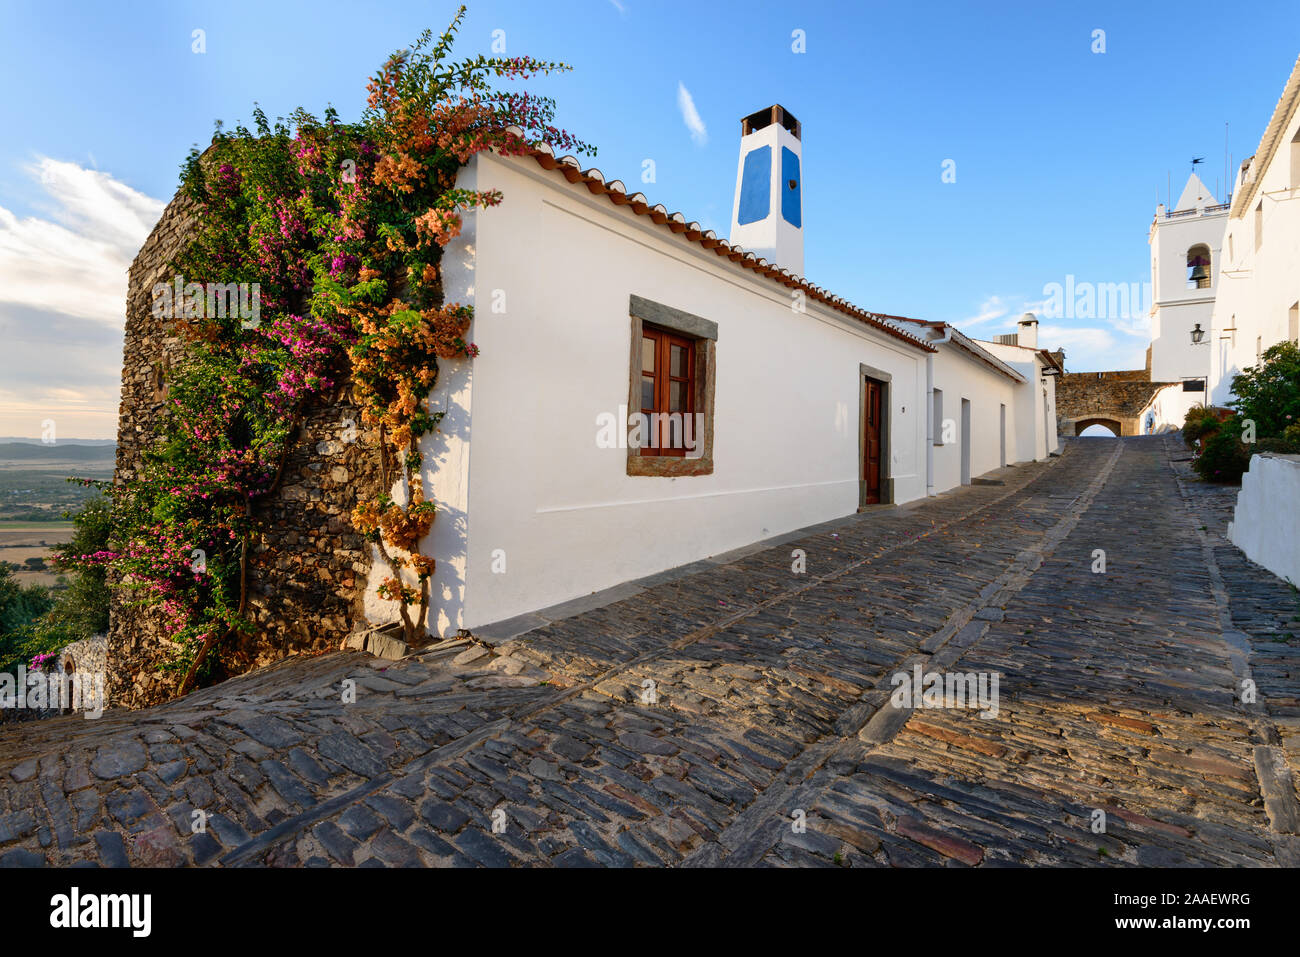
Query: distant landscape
35	496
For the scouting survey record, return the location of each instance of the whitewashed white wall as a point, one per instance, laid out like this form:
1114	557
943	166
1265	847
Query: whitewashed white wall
446	461
1266	524
1262	285
1169	406
962	377
550	272
1035	435
1177	308
563	512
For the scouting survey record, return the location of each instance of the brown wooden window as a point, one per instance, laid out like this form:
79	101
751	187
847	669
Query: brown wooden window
667	391
670	400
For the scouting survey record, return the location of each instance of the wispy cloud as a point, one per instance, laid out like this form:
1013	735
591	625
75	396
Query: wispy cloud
992	308
75	261
620	7
1091	349
63	298
690	115
1136	326
1106	344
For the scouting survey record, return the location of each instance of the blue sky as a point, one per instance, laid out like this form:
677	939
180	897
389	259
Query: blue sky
1060	153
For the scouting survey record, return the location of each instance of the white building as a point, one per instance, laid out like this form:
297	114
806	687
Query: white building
1186	248
1258	306
1258	300
593	306
1036	403
969	407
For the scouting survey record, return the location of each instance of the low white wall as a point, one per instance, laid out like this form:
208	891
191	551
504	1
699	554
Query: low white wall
1266	524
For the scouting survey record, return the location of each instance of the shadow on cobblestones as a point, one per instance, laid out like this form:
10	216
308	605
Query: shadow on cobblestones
704	719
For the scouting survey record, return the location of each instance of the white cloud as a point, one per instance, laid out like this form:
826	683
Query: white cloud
992	308
1092	349
1136	326
63	299
620	7
75	261
690	115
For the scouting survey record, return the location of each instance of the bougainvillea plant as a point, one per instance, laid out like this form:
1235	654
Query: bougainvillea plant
340	227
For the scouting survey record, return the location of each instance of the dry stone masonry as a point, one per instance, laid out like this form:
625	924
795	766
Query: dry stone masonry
307	574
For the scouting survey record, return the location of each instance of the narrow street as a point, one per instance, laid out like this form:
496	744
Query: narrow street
736	713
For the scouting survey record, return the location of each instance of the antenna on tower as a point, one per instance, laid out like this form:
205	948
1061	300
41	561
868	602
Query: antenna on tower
1227	183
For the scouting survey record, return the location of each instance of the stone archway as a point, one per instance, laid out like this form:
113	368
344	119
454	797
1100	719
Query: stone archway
1115	400
1112	424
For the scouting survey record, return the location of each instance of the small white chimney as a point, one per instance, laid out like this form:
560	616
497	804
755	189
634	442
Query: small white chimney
767	218
1027	331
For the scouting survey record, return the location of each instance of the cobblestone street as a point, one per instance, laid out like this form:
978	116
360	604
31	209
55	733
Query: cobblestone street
735	713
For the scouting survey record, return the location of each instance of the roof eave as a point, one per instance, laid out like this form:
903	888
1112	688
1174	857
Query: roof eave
1268	143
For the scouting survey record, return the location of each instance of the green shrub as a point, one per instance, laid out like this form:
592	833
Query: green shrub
81	609
20	607
1199	422
1223	456
1269	394
32	620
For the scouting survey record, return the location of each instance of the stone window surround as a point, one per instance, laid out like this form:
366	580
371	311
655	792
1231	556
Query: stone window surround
705	334
886	458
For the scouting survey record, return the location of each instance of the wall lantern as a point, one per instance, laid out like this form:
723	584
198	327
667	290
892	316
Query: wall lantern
1197	334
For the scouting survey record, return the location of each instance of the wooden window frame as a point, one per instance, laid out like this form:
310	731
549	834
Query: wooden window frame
661	374
670	327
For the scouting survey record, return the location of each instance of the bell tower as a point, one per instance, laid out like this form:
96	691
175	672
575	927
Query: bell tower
767	218
1186	246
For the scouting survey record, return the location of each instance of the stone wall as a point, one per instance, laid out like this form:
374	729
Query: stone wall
307	573
1116	398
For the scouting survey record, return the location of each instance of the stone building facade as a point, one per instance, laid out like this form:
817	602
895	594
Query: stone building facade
307	573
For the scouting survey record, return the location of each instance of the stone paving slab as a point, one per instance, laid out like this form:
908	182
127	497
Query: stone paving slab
740	714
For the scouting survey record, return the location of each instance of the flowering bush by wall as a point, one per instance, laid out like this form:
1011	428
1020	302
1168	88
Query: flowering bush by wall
339	229
1264	416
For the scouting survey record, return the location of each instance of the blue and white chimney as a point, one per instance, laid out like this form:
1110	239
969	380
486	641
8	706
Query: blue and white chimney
768	216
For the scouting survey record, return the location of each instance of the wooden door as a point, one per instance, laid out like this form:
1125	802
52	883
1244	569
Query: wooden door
871	444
